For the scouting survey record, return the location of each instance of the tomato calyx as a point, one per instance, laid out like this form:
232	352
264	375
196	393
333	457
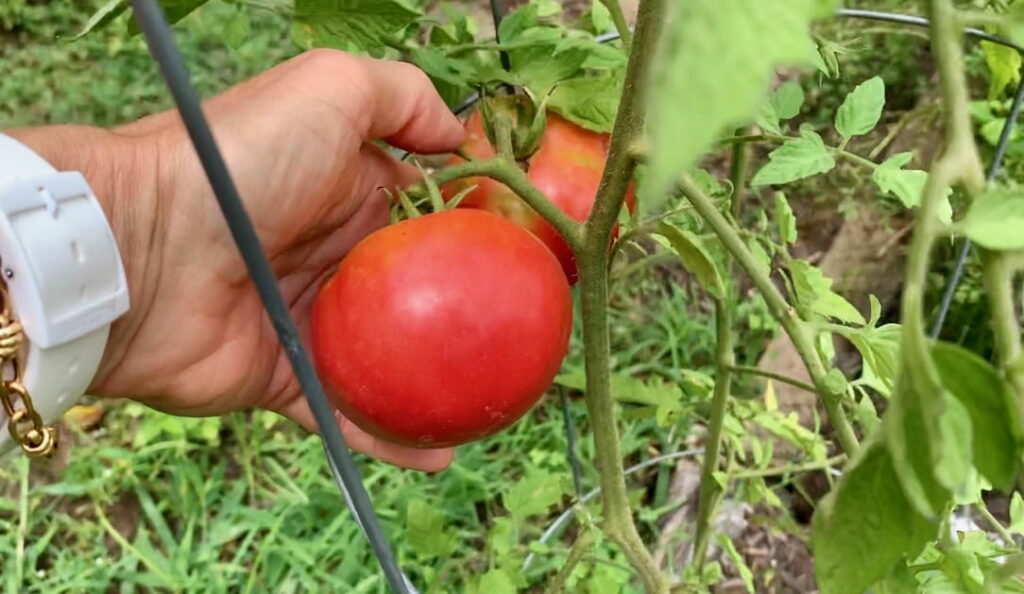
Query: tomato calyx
526	120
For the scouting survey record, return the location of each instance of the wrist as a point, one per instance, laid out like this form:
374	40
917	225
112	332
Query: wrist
121	170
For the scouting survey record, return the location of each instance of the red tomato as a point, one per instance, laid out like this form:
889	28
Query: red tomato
566	168
442	329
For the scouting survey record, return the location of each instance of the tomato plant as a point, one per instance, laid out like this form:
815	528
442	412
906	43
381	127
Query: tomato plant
566	167
446	327
477	304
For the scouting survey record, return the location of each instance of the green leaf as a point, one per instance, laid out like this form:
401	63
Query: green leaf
496	581
988	401
692	101
916	436
764	261
541	67
866	526
174	11
814	293
745	574
879	349
907	184
601	18
1004	65
438	66
836	382
795	159
861	109
237	29
768	120
591	101
788	99
996	219
784	219
695	258
1016	514
424	530
533	495
665	397
363	24
102	17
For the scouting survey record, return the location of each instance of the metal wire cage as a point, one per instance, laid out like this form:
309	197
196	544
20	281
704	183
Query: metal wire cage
162	46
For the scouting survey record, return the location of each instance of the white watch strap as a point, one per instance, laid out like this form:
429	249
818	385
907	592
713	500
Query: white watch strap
64	277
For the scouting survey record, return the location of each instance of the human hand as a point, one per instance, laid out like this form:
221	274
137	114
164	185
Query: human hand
296	139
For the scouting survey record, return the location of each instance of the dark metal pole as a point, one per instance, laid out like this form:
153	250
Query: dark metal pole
161	44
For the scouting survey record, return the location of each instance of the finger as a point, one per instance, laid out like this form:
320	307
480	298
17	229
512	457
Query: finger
357	439
401	106
385	171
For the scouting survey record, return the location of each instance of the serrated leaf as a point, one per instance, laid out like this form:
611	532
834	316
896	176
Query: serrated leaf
695	258
767	119
533	494
102	17
365	24
1016	514
814	292
591	101
988	401
879	349
788	99
907	184
764	261
876	310
692	102
795	159
1004	65
785	219
866	526
861	109
996	219
663	396
425	531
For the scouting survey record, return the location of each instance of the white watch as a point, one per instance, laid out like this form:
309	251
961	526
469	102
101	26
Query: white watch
64	276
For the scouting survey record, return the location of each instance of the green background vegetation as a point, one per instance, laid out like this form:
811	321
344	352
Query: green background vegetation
245	503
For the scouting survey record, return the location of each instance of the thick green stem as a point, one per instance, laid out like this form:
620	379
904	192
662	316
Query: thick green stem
738	176
959	163
780	309
710	490
618	516
592	258
1001	270
619	18
584	542
629	125
509	174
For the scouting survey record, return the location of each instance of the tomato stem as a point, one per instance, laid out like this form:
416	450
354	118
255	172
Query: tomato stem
710	490
508	173
780	309
592	258
1001	269
619	18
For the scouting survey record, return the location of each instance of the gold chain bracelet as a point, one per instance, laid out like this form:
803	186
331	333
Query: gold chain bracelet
23	421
